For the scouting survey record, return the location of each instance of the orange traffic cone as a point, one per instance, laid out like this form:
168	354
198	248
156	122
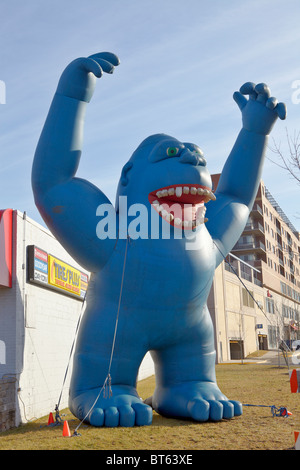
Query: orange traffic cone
297	440
50	419
294	381
285	412
66	430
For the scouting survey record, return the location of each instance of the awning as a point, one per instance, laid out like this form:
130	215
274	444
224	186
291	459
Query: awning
6	224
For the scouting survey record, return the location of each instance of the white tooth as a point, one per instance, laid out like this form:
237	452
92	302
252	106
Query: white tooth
185	223
186	190
193	191
190	223
209	197
169	217
160	208
201	210
164	213
165	193
159	194
155	203
178	191
200	191
177	221
200	218
206	192
171	191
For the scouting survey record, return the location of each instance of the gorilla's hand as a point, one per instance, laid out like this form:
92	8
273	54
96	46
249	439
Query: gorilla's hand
260	111
78	80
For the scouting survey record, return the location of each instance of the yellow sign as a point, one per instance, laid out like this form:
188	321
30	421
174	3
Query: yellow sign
63	276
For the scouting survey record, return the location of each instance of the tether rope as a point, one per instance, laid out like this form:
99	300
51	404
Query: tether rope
244	285
71	351
107	381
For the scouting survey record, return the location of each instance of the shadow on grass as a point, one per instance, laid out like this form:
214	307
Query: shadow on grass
158	421
161	421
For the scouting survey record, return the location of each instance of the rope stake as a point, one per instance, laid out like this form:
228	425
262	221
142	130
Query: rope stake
282	411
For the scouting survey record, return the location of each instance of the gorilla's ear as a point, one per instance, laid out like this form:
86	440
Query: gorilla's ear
124	177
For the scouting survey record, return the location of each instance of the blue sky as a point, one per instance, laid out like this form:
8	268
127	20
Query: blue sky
181	61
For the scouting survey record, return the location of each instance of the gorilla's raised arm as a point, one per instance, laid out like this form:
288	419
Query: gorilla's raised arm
242	171
68	204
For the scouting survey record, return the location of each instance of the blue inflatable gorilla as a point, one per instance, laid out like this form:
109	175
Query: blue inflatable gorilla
164	281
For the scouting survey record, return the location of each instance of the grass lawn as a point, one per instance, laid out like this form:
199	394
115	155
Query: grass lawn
256	429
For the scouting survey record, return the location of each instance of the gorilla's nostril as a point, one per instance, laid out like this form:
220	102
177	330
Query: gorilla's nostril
189	157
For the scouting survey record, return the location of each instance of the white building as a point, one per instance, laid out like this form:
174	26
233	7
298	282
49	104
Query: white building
41	301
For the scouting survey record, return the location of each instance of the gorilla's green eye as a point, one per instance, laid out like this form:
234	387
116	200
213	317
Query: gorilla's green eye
172	151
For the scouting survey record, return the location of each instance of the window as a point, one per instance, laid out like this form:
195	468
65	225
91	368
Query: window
247	240
247	299
270	305
283	287
249	257
285	311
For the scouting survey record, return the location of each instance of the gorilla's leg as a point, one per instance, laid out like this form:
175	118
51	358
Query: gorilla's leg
186	384
93	356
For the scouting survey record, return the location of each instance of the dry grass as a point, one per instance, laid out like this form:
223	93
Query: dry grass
256	429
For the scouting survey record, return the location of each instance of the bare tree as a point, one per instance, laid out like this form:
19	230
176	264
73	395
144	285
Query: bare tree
291	161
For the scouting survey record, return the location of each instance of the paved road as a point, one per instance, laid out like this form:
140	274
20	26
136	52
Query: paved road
293	359
276	358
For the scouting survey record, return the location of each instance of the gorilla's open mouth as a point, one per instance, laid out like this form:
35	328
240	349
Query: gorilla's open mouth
182	205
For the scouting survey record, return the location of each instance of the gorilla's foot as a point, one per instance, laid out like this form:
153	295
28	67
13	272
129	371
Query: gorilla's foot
123	408
199	401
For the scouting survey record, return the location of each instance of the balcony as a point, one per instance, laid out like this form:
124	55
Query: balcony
253	227
243	269
257	279
256	210
255	245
